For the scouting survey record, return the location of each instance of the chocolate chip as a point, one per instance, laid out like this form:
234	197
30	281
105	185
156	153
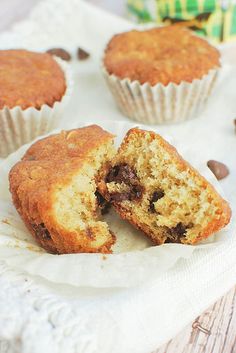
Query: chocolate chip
100	198
136	192
179	229
112	174
220	170
121	173
82	54
102	203
157	195
60	52
41	231
176	233
124	173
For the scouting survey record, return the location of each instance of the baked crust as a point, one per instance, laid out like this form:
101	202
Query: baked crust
49	165
29	79
160	55
223	213
76	143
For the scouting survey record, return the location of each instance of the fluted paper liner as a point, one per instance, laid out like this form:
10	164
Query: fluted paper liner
161	104
18	126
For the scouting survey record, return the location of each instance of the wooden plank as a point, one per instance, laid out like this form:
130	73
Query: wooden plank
219	324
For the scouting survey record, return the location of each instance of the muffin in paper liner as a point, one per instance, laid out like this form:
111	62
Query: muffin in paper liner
161	104
18	126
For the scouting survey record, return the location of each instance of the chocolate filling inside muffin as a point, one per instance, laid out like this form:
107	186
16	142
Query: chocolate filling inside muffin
103	205
178	232
124	173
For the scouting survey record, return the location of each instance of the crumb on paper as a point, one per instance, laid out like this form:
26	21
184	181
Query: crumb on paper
104	257
6	221
34	248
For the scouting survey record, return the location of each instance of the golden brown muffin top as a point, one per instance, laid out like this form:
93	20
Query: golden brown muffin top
57	157
66	145
160	55
29	79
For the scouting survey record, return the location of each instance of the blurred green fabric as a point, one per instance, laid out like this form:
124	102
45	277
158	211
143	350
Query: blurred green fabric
212	18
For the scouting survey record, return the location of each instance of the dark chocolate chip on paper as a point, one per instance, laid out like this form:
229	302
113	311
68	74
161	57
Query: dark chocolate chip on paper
82	54
60	52
220	170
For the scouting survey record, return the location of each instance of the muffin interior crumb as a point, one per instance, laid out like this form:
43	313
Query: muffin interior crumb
76	204
174	205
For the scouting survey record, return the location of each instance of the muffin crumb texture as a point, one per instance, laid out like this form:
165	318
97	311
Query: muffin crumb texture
151	186
160	55
29	79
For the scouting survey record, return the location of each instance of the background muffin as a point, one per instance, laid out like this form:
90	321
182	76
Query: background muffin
162	74
34	88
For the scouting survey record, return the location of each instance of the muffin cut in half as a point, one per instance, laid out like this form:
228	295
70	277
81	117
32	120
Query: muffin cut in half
152	187
54	190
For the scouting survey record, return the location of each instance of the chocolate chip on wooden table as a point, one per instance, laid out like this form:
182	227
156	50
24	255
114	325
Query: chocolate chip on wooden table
60	52
82	54
157	195
220	170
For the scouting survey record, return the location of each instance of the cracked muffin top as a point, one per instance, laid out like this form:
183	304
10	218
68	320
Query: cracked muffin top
160	55
29	79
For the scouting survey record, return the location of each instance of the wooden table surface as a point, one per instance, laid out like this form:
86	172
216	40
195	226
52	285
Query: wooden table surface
215	330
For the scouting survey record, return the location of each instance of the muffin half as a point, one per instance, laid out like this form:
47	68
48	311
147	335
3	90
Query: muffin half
54	191
161	75
152	187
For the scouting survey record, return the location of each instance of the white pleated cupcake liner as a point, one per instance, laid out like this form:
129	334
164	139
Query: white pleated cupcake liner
161	104
18	127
